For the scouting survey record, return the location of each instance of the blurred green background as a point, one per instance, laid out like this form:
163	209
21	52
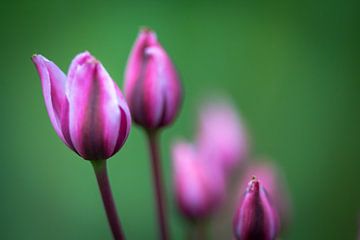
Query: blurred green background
292	68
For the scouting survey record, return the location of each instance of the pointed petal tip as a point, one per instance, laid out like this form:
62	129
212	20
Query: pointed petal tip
84	55
37	57
34	58
148	33
254	184
146	29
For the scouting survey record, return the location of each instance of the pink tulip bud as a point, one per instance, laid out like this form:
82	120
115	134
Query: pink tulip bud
86	107
199	187
221	134
275	184
152	86
255	217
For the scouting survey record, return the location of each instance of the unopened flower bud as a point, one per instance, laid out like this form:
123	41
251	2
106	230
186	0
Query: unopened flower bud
222	135
152	86
255	218
199	186
86	107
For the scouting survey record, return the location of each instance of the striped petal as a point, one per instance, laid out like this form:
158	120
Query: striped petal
135	62
94	113
152	86
125	120
162	88
274	182
255	217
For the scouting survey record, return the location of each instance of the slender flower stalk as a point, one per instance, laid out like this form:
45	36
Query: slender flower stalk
153	91
198	230
158	183
102	178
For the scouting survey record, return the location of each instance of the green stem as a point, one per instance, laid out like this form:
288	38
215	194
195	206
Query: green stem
198	230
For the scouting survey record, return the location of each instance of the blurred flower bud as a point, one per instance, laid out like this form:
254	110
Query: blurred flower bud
199	186
86	108
221	134
255	217
152	86
275	184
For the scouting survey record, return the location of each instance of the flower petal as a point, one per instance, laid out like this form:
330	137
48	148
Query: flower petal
135	61
152	87
93	110
222	133
79	60
125	120
53	85
199	187
167	93
255	218
191	192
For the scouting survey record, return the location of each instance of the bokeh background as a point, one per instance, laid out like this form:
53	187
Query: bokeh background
291	67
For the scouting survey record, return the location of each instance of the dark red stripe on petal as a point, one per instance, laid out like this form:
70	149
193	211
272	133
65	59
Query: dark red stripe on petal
123	130
255	218
92	129
137	101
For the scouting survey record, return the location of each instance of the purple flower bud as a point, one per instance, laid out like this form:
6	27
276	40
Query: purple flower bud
199	187
255	217
86	107
275	184
222	134
152	86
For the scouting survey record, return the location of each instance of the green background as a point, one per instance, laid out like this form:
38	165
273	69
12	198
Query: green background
292	68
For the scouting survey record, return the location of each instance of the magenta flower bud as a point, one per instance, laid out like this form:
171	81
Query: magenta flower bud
222	134
275	184
199	187
86	107
152	86
255	218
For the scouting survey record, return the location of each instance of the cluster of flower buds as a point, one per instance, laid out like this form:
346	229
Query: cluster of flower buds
86	107
201	169
91	116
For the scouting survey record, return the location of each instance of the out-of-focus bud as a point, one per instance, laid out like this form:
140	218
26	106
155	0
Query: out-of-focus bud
199	186
255	218
222	135
152	86
86	108
275	184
